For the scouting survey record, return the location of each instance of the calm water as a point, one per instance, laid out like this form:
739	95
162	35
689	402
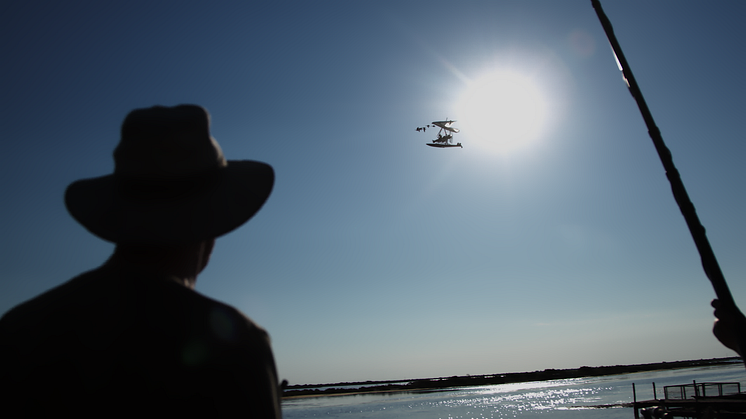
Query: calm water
563	399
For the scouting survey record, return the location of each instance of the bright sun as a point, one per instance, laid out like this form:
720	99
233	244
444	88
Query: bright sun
502	110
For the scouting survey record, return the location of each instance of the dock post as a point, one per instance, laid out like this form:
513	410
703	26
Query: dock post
634	401
655	393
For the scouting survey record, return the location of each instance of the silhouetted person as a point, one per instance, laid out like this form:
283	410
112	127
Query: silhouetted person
132	338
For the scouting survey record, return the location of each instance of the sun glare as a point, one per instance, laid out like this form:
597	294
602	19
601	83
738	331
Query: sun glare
502	110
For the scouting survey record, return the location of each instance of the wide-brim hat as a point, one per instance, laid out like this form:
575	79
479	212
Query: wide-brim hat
171	183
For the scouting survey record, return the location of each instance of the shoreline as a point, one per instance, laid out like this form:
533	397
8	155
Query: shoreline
443	383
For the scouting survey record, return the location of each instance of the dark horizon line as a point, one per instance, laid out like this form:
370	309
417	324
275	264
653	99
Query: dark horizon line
585	369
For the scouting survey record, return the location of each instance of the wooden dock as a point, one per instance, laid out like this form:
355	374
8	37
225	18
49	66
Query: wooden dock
696	400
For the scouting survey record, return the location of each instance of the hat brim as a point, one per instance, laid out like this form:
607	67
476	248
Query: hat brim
233	198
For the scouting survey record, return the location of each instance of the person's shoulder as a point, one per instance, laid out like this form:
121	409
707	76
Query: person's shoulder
229	322
38	308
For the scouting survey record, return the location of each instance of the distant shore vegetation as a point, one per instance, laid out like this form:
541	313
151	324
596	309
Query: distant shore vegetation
443	383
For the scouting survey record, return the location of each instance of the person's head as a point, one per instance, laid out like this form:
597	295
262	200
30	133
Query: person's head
172	188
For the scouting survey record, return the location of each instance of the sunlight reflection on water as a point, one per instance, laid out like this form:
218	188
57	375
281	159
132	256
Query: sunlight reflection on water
563	399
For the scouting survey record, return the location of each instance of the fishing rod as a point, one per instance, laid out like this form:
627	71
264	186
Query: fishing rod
709	262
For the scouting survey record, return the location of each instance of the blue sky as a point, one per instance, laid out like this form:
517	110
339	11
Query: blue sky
377	257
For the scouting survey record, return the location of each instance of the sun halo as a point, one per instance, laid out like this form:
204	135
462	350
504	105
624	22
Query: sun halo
501	111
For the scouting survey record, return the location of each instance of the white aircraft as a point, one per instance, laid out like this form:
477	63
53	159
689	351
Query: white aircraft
445	134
